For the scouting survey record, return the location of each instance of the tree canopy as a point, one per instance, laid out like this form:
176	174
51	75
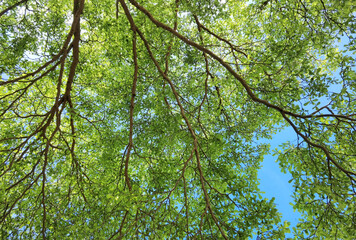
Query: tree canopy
134	119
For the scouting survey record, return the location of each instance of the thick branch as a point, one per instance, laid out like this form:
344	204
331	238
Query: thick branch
133	93
11	7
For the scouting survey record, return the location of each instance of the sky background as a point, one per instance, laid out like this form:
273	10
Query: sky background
275	183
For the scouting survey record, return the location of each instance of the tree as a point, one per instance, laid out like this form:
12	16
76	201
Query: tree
141	119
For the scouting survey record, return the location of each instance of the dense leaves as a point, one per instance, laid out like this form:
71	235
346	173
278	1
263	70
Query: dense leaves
124	119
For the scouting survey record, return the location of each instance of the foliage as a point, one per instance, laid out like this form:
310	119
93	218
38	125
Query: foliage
124	119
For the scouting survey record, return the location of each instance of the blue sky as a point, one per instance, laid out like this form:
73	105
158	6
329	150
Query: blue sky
275	183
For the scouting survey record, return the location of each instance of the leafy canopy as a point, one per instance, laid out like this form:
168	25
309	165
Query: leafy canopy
143	119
